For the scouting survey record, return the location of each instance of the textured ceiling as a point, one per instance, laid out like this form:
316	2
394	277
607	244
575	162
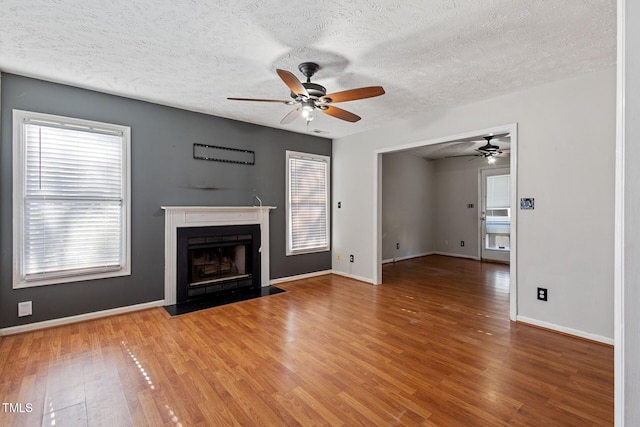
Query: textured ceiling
462	147
192	54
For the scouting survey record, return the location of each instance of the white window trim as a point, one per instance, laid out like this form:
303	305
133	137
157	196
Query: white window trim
19	118
326	159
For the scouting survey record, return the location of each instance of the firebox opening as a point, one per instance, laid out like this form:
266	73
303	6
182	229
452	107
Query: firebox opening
217	259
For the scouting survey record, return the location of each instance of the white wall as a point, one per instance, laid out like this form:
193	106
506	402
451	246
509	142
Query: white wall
627	377
566	140
408	195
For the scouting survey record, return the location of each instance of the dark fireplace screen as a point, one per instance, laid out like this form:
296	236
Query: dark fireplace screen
217	259
218	262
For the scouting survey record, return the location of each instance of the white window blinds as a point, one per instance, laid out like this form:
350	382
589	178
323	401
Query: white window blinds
73	201
498	194
308	203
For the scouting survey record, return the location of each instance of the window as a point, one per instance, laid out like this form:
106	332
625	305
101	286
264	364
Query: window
498	213
307	203
70	199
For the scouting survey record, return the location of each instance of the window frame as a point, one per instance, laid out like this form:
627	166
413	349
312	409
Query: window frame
289	231
20	120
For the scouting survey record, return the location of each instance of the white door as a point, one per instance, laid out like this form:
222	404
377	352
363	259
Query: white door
495	214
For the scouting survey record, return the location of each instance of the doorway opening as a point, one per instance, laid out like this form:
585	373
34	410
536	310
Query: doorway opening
458	247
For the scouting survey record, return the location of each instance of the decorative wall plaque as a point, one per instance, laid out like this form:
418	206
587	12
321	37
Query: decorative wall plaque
527	203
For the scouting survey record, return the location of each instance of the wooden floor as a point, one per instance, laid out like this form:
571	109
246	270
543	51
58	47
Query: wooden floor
432	346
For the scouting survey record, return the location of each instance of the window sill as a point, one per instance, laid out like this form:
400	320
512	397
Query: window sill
20	283
308	251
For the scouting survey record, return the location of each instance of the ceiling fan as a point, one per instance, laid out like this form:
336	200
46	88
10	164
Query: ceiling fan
490	151
308	96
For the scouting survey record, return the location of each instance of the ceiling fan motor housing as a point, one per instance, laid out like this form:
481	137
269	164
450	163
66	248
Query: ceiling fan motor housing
313	89
308	69
489	147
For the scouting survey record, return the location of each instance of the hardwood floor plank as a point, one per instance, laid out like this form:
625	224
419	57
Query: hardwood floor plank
75	415
368	414
408	402
432	346
319	405
299	410
152	415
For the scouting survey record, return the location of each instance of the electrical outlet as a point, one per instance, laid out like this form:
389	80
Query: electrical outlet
339	205
542	294
338	256
350	258
397	245
25	309
461	242
470	205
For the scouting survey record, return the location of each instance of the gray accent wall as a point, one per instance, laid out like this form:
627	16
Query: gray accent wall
408	208
163	173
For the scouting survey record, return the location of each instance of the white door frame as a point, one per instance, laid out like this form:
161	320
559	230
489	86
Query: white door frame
377	201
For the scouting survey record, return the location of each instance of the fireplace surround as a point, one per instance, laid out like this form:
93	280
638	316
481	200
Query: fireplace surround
179	217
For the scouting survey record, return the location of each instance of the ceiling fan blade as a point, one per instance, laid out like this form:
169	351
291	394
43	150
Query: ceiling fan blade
259	100
354	94
292	82
340	113
291	116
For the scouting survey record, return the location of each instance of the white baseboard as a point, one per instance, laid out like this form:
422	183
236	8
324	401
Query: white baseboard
565	330
387	261
298	277
353	276
456	255
319	273
79	318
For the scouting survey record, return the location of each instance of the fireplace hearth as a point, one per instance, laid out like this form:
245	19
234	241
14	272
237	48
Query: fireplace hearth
215	260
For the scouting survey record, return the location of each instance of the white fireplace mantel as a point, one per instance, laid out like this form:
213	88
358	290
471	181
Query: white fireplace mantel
210	216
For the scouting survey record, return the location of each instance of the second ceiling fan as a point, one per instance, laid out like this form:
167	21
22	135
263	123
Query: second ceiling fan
490	151
308	96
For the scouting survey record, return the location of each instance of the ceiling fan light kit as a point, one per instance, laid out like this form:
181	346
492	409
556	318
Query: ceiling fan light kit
310	96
